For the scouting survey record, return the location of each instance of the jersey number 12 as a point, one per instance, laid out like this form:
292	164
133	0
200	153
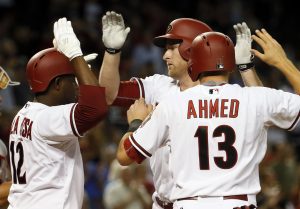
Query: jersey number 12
16	166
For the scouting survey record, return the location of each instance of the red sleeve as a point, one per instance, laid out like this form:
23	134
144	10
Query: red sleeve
133	153
129	91
91	107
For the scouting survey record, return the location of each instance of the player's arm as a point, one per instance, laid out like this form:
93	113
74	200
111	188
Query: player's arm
127	153
91	106
243	55
114	36
274	55
4	191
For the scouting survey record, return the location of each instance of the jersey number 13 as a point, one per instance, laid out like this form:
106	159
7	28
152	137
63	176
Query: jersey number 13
226	145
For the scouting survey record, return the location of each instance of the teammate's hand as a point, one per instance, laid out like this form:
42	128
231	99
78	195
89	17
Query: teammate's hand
139	110
114	31
65	39
274	54
242	47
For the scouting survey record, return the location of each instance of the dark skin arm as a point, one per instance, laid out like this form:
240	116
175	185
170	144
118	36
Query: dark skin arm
84	75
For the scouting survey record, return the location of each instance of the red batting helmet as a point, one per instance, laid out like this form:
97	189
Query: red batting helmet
183	31
211	52
44	66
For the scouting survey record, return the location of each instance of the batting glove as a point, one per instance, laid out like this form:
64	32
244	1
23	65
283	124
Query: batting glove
87	58
114	32
243	55
65	39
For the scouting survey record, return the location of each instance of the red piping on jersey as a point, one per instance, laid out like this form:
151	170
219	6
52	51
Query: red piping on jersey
295	121
138	147
141	86
72	121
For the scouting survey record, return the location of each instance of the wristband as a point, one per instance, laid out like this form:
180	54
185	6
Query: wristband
244	67
135	124
112	51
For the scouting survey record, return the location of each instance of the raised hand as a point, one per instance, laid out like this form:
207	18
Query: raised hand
242	47
273	53
114	31
65	39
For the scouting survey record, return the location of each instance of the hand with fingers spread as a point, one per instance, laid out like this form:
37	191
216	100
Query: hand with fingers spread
242	48
65	39
114	32
273	53
139	110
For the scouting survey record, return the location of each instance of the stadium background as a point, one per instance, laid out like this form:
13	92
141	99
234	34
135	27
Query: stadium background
26	27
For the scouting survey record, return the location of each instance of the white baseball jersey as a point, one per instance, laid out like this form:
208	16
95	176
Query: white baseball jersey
46	163
218	136
154	89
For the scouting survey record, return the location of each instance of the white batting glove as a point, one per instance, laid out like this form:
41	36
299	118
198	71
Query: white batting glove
242	48
66	40
114	32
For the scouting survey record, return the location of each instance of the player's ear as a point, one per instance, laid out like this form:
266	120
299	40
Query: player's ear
57	82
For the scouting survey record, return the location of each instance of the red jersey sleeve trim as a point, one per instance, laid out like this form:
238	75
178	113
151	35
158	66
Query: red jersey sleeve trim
72	122
294	123
133	153
141	86
139	147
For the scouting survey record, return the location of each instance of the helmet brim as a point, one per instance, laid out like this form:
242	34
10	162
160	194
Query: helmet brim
162	41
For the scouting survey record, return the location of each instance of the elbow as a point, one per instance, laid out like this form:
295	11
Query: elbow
109	100
123	159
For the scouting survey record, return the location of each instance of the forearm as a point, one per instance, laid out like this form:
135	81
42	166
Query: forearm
109	76
122	156
83	74
291	73
250	78
4	191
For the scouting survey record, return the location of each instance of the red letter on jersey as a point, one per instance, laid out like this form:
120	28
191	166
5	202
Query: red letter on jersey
191	110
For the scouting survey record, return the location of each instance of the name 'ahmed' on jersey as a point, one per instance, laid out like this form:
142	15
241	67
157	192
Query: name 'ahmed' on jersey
218	108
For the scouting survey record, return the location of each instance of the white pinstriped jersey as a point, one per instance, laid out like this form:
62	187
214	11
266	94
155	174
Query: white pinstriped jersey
218	136
46	163
154	89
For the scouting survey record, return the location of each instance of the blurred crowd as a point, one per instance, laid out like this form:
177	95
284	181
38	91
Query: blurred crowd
26	27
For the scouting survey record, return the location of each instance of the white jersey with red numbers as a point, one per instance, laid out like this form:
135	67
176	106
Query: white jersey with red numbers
218	136
46	163
154	89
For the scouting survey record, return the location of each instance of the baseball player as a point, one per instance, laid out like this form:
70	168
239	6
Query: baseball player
46	163
217	131
154	89
5	182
